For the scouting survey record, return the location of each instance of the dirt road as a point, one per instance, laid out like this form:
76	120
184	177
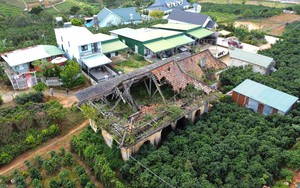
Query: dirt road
43	150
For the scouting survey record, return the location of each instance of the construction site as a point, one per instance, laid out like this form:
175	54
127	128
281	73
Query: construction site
134	108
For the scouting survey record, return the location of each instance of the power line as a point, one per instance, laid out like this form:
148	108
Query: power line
153	173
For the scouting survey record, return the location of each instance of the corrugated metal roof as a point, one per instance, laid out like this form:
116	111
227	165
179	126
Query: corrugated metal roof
53	50
188	17
144	34
95	60
125	12
113	46
200	33
266	95
177	26
180	40
26	55
160	45
257	59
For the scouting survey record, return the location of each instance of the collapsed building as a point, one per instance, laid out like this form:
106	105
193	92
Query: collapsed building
134	108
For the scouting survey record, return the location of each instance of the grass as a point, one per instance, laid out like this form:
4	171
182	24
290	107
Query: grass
9	10
222	17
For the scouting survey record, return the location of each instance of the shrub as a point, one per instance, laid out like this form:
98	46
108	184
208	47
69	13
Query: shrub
31	96
41	86
138	57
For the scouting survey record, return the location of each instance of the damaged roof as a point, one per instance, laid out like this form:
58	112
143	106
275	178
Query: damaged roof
177	70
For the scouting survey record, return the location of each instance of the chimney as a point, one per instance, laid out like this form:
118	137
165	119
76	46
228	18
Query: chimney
131	16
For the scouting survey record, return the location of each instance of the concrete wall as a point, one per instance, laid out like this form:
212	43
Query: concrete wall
255	68
154	138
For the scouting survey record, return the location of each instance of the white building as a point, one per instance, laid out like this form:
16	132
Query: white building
259	63
88	49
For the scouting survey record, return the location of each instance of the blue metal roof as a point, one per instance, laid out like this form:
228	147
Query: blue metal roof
125	12
266	95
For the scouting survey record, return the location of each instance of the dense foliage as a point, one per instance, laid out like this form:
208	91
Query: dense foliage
228	147
26	30
92	149
71	75
59	170
29	97
286	54
26	126
243	10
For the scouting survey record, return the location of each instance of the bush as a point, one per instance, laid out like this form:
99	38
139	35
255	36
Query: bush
31	96
138	57
41	86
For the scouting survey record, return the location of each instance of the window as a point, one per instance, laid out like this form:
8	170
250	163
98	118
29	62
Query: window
84	48
203	62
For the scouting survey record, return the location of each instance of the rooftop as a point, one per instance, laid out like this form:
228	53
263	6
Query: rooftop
253	58
124	13
189	17
72	33
266	95
144	34
175	26
33	53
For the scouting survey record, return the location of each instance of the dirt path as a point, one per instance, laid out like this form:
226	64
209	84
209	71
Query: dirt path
43	150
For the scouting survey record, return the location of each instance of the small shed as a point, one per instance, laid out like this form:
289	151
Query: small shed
260	63
263	99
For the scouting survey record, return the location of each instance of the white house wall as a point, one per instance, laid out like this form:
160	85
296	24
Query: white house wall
255	68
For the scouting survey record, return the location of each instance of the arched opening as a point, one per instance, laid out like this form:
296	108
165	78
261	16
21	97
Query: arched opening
181	123
164	134
146	147
197	115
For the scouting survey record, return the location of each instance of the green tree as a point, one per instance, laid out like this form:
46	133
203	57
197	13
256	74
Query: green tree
41	86
36	10
36	183
74	10
76	22
71	74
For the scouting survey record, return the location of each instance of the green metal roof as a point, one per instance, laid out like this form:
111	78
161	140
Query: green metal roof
160	45
112	46
257	59
178	27
200	33
53	50
266	95
180	40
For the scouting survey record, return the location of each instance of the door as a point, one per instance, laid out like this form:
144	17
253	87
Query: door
136	49
267	110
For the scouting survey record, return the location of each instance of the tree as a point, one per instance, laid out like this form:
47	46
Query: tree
36	10
41	86
71	74
76	22
156	14
36	183
74	10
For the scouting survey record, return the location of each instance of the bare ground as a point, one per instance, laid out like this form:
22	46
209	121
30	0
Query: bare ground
274	25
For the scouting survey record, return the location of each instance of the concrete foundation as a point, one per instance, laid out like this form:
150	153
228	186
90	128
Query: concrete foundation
155	137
